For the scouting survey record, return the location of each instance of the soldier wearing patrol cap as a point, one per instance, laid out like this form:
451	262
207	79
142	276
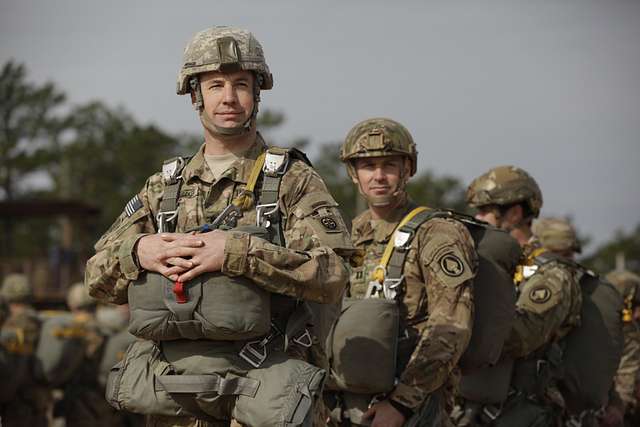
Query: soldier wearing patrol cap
549	296
433	296
627	381
276	229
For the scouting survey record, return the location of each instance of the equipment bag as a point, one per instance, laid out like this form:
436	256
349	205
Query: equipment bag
592	351
363	345
209	380
206	307
114	351
493	292
61	348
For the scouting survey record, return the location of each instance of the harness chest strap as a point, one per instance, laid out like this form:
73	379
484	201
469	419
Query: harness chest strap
380	272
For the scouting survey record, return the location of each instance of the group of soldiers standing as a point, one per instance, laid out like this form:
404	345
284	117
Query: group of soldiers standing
253	305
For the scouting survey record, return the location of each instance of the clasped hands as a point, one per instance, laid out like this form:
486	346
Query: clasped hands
182	256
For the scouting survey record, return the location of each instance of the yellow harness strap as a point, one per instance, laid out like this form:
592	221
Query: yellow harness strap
245	199
381	269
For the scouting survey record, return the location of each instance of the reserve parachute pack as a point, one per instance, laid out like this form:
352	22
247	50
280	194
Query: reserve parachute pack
352	369
219	343
592	350
61	347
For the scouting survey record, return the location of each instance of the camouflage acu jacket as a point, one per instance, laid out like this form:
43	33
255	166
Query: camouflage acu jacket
309	267
436	304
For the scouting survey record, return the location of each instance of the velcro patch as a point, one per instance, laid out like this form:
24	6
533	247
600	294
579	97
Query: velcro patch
132	206
540	294
451	265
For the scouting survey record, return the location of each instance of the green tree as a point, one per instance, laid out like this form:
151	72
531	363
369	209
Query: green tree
603	259
28	125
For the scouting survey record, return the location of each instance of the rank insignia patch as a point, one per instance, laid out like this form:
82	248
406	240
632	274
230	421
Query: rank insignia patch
451	265
132	206
328	223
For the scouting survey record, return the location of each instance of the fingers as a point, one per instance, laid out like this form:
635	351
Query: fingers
182	239
179	262
178	252
191	274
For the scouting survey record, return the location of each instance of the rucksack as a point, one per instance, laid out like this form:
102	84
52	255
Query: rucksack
592	350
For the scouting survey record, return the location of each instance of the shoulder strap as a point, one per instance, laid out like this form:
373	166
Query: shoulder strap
276	164
392	261
171	175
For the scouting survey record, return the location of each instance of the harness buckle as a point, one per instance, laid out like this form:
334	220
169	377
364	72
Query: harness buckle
263	212
164	222
254	353
304	339
390	287
374	289
275	164
492	412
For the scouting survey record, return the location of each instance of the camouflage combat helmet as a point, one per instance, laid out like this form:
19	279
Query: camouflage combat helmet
16	288
223	49
505	185
556	234
78	297
376	138
220	49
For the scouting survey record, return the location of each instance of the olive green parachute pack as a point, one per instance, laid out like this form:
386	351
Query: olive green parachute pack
374	325
591	352
216	346
61	348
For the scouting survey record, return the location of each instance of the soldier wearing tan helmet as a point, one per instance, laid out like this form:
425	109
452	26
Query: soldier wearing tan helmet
625	403
285	236
434	297
549	296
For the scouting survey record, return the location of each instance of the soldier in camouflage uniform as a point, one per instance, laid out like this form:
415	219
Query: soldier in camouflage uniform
549	298
627	384
436	299
83	400
32	402
224	71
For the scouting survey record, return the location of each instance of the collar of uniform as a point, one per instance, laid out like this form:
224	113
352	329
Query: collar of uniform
239	170
382	229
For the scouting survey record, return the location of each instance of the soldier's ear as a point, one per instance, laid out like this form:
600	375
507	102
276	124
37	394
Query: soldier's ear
514	215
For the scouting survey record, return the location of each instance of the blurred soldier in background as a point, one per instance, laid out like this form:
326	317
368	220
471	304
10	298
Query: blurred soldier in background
83	401
627	381
31	405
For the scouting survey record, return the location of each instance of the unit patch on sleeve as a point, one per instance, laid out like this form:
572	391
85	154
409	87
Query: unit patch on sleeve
132	206
328	223
451	265
540	294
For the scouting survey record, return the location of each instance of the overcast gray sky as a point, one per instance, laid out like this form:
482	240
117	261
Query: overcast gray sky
551	86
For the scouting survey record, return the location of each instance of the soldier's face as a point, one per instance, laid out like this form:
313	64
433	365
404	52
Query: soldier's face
228	97
379	176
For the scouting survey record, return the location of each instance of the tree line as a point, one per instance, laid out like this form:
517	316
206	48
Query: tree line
51	149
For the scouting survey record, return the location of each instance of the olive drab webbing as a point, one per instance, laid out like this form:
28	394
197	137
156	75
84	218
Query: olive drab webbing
195	376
